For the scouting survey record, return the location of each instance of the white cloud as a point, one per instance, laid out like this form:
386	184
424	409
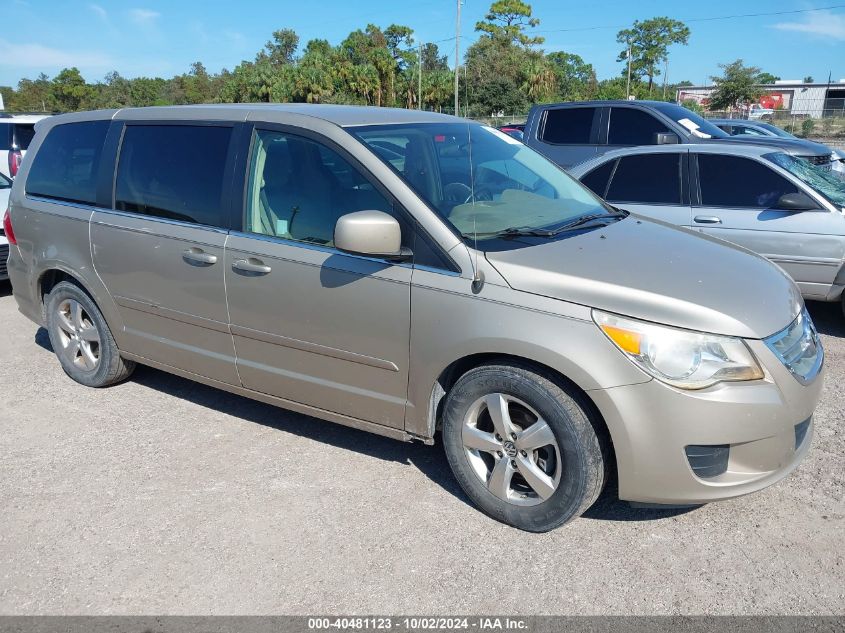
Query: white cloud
44	57
144	17
100	11
819	24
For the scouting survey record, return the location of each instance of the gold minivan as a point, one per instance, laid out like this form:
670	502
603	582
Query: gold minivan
418	276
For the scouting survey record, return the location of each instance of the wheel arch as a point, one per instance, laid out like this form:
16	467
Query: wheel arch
55	273
457	368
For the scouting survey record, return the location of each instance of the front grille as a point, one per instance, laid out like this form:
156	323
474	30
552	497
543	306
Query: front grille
4	255
798	347
801	432
708	461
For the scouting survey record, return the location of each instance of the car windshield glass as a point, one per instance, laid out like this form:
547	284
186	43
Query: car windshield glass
481	180
774	129
698	126
828	183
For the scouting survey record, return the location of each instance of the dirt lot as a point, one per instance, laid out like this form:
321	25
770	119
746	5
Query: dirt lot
162	496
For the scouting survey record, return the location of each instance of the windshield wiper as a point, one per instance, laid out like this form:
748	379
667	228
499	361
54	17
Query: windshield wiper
586	219
512	232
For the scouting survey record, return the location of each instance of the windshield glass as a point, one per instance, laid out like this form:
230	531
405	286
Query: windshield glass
479	179
828	183
698	126
774	129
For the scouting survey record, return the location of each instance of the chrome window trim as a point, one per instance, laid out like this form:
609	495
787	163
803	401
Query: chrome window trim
168	221
65	203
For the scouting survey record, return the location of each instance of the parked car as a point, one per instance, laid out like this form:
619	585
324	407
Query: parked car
773	203
759	112
570	133
515	130
739	127
16	131
5	188
401	272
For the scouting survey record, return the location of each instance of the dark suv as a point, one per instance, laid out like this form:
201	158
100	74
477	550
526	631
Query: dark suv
570	133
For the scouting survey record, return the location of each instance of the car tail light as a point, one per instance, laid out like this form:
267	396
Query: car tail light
15	157
7	228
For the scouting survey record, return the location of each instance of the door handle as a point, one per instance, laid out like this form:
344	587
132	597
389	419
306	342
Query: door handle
707	219
251	265
198	256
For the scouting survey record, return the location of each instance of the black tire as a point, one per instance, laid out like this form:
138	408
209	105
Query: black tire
109	368
584	456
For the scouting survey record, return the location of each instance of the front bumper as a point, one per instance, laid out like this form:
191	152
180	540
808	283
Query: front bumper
659	431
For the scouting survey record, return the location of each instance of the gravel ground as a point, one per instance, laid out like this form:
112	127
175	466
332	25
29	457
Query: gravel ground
163	496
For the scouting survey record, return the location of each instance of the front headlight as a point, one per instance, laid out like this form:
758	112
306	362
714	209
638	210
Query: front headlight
681	358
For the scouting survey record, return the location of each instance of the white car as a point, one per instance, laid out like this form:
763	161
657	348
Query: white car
5	188
758	112
16	131
838	161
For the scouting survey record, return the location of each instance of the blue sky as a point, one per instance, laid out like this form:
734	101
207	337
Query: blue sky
156	37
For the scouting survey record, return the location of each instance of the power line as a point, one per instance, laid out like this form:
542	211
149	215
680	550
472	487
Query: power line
707	19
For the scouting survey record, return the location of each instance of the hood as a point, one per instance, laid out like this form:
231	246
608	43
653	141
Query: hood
796	146
660	273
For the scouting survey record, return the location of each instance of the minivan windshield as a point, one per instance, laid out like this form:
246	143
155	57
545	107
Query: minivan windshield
697	126
828	183
482	181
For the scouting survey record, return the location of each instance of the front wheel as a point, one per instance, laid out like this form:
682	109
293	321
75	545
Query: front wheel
523	446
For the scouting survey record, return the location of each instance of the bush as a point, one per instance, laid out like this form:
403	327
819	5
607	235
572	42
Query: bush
807	127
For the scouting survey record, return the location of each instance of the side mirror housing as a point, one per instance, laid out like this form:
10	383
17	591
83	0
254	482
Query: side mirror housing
796	202
373	233
666	138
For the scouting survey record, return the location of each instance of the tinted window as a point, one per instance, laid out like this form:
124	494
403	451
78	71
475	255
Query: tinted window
629	126
731	181
298	189
65	166
568	125
5	135
597	179
173	171
23	135
647	178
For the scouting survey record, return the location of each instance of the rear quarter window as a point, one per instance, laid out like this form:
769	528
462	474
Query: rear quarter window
66	164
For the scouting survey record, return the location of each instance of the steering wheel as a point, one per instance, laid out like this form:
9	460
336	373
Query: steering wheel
457	193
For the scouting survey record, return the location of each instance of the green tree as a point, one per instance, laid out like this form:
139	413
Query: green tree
736	86
432	59
574	77
509	19
766	78
809	79
70	91
649	43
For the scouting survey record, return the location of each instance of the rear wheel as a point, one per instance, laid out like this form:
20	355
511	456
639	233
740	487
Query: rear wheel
522	446
81	339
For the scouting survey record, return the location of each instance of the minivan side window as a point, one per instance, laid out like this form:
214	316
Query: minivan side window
733	181
174	172
66	165
648	179
568	126
630	126
298	189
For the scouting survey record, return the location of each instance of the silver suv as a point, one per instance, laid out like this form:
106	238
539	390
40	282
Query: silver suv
407	273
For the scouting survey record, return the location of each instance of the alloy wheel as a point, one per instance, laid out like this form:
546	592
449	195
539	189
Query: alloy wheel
511	449
78	336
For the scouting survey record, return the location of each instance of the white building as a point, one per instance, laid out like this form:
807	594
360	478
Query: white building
795	97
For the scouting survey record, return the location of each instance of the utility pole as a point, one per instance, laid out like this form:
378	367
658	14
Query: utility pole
665	75
628	87
419	84
457	54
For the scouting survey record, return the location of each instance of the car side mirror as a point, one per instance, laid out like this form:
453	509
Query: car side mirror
796	202
372	233
666	138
